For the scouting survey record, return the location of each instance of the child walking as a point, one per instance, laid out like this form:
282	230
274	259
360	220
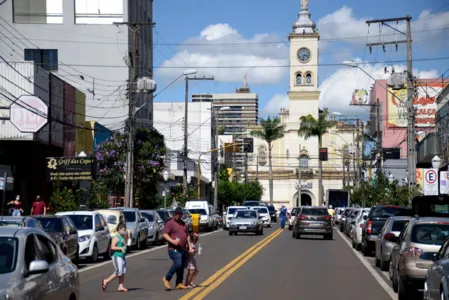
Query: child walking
118	248
194	248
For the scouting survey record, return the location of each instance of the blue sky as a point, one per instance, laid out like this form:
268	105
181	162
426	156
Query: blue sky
202	24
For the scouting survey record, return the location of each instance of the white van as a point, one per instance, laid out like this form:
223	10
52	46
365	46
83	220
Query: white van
207	214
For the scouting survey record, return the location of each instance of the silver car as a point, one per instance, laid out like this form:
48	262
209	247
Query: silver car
246	221
155	226
138	227
436	285
386	240
33	267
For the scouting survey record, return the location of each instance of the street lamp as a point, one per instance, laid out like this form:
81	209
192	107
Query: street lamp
436	162
189	179
165	188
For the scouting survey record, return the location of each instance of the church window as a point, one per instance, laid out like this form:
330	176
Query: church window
304	161
299	79
309	79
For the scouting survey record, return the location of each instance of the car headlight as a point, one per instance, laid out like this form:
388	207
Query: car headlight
83	238
151	227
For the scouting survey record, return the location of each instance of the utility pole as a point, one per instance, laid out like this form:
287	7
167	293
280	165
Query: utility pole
246	167
186	131
257	168
129	181
358	171
233	154
354	158
379	134
299	177
411	153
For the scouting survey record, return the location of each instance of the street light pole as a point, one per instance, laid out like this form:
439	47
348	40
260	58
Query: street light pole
165	188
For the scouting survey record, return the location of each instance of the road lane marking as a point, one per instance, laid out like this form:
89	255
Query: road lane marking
365	262
136	254
216	279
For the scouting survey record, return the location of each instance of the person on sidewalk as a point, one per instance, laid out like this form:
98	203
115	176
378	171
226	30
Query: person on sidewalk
17	210
118	247
175	233
38	208
283	215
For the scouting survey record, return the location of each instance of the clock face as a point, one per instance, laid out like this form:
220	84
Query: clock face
304	54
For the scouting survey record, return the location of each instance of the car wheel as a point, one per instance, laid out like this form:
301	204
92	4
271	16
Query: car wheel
293	234
384	264
404	293
76	260
145	242
376	261
261	231
108	254
426	295
353	244
230	233
138	243
94	257
358	246
328	237
442	296
394	282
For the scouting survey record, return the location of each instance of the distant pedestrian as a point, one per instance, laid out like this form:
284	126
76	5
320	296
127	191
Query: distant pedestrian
283	215
192	269
175	233
38	208
16	207
118	247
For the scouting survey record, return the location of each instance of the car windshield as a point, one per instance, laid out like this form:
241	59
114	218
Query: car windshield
232	210
430	234
148	216
262	210
8	254
251	203
315	211
198	211
51	224
346	213
165	215
388	211
110	219
130	216
271	208
246	214
82	222
4	223
399	225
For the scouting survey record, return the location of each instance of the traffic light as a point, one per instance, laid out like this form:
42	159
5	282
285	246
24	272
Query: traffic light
323	154
248	145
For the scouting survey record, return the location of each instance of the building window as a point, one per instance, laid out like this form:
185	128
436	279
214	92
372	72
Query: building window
309	79
44	58
98	12
37	11
304	162
299	79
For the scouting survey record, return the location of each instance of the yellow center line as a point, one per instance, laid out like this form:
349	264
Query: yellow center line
213	281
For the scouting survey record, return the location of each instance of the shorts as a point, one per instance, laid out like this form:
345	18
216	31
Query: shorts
16	212
191	263
119	265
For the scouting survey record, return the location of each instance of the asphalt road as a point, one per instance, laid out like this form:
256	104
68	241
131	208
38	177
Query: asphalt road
276	266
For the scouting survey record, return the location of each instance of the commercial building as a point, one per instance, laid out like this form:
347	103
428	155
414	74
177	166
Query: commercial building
169	121
78	41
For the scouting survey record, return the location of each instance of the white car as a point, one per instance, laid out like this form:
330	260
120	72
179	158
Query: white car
264	213
356	231
229	213
94	238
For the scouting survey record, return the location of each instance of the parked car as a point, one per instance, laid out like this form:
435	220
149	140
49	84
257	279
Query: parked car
247	220
273	214
155	226
165	214
9	221
33	267
338	214
208	220
137	225
292	216
313	220
436	284
408	266
264	213
356	232
351	217
229	213
62	230
112	218
94	238
376	219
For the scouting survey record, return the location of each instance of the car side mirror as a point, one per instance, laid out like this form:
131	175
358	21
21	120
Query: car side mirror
230	218
352	222
100	228
142	220
430	256
38	267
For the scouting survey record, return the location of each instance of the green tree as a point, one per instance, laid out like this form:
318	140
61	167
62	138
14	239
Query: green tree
271	130
223	175
311	127
235	193
98	195
63	199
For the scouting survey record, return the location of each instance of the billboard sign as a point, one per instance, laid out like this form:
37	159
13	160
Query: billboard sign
70	169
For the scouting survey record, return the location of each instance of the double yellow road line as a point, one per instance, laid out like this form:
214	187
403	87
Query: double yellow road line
221	275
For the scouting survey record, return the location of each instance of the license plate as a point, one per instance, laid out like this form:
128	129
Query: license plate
316	224
242	227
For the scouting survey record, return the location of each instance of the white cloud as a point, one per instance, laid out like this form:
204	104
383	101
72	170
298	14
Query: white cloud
273	106
232	55
342	24
337	89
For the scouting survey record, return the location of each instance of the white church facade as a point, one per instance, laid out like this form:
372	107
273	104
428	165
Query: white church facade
303	97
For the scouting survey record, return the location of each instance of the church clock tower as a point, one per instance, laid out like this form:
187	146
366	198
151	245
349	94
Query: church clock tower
303	93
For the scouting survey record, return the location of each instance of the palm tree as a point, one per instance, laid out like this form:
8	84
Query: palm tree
271	130
311	127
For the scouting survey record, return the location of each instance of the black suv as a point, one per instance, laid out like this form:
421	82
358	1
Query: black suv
376	219
273	215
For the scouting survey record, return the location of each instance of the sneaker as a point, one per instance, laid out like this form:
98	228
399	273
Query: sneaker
166	283
180	286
